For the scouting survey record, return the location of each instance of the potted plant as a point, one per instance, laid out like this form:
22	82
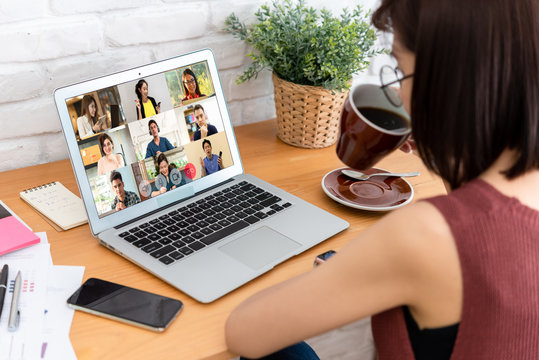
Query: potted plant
313	56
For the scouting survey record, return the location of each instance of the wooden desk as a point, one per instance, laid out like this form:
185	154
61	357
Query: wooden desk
198	332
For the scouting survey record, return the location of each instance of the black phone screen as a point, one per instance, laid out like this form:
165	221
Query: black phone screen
326	255
126	303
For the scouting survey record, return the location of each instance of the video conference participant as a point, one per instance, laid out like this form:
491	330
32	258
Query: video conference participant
109	161
146	105
169	176
211	163
124	198
203	128
88	123
159	144
190	85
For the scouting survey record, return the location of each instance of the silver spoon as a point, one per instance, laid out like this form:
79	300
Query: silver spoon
361	176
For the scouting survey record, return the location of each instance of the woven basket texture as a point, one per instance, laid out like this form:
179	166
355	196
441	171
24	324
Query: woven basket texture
307	116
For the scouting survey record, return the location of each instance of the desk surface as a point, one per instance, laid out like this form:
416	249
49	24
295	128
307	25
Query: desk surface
198	332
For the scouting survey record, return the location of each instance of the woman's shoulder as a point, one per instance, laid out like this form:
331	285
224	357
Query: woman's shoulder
415	234
417	220
82	118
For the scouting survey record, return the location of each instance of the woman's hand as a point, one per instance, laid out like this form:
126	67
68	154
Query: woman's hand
409	146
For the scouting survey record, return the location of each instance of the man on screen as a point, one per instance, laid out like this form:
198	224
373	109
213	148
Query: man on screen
159	144
211	163
124	198
203	128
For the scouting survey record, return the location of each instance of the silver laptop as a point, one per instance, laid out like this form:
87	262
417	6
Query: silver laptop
166	189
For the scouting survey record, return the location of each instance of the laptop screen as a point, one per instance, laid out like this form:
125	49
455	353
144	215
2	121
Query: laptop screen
150	136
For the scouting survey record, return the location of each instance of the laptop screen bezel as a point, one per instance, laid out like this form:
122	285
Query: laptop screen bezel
97	224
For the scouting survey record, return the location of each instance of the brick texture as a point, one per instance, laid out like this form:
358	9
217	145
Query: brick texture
52	43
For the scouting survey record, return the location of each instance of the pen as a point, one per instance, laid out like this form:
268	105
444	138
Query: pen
3	286
15	314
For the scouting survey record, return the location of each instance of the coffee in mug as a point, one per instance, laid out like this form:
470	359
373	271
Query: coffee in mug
371	127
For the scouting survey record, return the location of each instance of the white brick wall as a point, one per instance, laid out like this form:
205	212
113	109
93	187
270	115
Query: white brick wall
51	43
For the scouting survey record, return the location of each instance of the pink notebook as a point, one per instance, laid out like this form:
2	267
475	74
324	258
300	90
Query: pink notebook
14	234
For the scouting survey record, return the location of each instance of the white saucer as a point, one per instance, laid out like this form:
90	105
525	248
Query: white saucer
379	193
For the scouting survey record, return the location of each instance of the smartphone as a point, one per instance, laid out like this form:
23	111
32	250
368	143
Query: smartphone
125	304
220	154
323	257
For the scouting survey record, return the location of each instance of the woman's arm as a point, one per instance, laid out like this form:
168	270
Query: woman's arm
392	263
159	192
100	170
81	122
120	160
156	106
97	127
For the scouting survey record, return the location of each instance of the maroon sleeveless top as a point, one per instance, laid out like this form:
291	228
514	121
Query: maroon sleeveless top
497	238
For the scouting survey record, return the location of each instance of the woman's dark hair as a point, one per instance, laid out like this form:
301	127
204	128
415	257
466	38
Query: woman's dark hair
86	101
137	89
160	158
101	138
190	72
476	81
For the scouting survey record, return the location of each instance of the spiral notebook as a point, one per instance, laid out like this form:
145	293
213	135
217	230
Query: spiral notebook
59	206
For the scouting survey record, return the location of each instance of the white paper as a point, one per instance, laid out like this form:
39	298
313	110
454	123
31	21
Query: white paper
63	281
45	319
25	342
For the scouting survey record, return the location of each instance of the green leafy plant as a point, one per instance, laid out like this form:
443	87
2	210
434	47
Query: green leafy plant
306	46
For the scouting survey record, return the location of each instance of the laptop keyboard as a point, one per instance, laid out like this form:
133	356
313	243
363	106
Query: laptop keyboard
182	232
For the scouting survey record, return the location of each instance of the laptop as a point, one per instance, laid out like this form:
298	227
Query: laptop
179	204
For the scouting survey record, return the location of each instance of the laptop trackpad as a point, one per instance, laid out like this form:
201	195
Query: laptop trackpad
260	247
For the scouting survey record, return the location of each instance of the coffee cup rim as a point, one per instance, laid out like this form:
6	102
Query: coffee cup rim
370	123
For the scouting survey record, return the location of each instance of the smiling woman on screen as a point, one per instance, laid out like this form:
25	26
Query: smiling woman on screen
110	161
88	123
146	105
190	85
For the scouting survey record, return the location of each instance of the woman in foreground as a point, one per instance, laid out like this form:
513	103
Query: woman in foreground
454	276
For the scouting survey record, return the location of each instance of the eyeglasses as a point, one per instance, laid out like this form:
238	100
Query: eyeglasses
390	76
189	81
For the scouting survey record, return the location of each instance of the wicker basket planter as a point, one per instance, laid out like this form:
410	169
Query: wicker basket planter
307	116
